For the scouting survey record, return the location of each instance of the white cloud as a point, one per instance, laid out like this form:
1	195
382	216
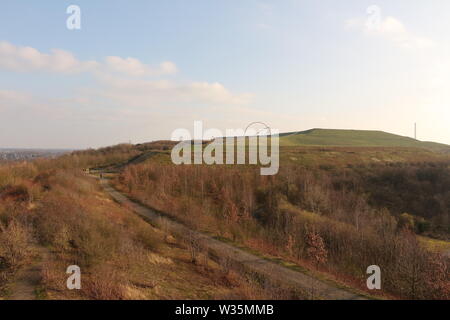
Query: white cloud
134	67
168	67
130	100
213	92
28	59
93	119
392	30
140	92
118	77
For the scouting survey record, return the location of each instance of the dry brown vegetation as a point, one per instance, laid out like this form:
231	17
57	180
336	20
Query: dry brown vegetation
335	219
102	157
50	206
316	217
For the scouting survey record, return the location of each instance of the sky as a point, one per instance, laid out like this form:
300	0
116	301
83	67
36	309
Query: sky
138	70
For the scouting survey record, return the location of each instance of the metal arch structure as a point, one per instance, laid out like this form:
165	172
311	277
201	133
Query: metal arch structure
259	122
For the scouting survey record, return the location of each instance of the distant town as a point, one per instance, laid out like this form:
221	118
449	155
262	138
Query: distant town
26	154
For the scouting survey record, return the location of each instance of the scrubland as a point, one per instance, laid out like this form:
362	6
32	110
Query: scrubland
330	212
336	221
52	216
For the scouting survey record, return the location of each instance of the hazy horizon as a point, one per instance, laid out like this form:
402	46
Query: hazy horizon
138	71
2	148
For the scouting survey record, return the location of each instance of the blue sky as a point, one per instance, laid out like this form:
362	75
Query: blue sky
137	70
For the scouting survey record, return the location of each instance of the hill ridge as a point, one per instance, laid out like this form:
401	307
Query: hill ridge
356	138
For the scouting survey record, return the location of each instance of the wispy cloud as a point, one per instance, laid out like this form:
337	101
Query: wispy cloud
141	92
123	79
74	122
128	96
28	59
392	30
134	67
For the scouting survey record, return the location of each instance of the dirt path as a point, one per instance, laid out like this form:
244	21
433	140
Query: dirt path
272	270
28	279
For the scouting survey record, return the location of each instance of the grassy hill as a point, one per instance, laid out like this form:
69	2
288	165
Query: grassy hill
355	138
315	147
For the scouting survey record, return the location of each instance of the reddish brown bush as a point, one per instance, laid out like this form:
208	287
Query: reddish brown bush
279	212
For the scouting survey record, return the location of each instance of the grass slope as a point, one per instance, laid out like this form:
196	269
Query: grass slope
355	138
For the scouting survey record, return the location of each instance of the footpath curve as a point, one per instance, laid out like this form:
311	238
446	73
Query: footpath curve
250	262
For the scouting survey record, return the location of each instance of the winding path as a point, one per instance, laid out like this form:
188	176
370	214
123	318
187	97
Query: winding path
250	262
27	281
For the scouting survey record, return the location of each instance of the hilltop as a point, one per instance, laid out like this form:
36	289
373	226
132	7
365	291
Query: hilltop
315	147
356	138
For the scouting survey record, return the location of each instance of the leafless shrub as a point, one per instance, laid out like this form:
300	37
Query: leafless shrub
194	246
271	214
104	283
14	249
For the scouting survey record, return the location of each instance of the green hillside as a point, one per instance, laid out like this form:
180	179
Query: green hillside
355	138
